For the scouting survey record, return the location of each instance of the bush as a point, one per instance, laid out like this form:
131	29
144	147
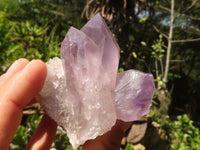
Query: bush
24	133
24	39
181	134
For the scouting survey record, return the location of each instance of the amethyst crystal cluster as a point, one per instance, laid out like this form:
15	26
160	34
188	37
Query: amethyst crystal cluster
84	93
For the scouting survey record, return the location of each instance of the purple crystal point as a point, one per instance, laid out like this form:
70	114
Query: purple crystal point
80	56
89	88
98	31
133	94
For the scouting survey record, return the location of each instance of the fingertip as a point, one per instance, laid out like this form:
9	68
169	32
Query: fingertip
13	70
17	66
41	67
35	72
37	65
25	85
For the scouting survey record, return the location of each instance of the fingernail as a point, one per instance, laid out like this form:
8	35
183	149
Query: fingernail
16	63
13	65
32	61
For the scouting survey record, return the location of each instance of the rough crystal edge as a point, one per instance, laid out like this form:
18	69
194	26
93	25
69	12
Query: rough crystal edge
52	63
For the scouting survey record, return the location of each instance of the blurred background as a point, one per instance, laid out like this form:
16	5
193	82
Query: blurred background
161	37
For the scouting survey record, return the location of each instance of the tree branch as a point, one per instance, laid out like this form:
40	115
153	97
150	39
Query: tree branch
179	14
191	17
164	46
165	8
189	7
186	40
157	30
165	79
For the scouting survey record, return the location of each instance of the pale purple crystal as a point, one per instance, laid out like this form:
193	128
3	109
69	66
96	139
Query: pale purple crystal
83	92
133	94
98	31
86	79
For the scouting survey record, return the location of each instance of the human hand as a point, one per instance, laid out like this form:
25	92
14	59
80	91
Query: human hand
18	87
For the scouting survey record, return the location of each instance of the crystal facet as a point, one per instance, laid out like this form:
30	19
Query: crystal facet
98	31
83	92
86	78
133	93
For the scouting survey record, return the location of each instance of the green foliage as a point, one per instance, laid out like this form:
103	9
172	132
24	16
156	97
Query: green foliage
180	134
34	30
24	133
21	138
24	40
120	69
6	28
62	143
144	43
158	51
129	147
143	19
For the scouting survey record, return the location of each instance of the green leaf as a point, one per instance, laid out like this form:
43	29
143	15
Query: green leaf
160	36
143	19
143	43
131	38
120	69
129	147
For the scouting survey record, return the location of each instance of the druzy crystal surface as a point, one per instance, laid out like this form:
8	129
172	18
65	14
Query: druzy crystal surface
84	93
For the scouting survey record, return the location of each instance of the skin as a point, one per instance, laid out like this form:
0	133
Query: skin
18	87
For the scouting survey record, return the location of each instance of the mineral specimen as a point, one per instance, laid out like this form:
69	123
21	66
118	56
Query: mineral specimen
133	93
83	92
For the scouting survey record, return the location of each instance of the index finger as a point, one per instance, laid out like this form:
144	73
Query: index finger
15	94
